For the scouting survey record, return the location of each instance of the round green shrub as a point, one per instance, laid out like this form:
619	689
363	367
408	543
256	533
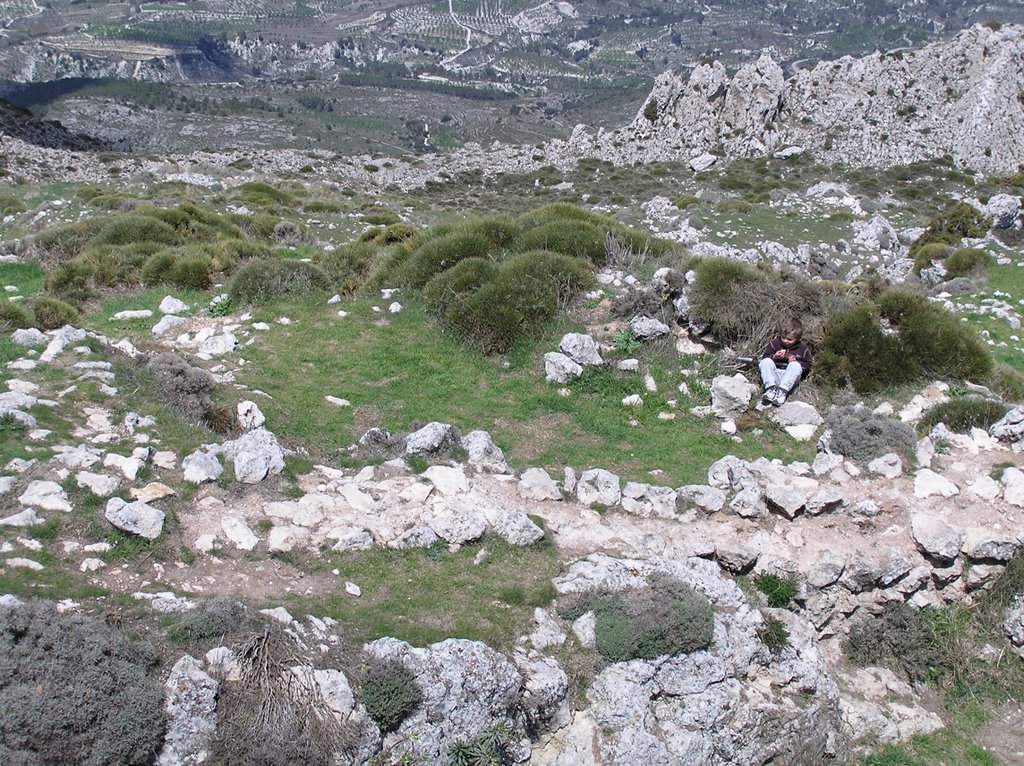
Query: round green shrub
14	316
721	287
348	266
962	414
52	313
855	351
157	268
390	693
773	634
863	436
455	284
955	224
967	261
578	239
128	229
389	235
666	617
1007	382
900	636
212	618
928	254
936	339
191	272
500	230
560	212
264	279
778	591
440	253
71	280
73	690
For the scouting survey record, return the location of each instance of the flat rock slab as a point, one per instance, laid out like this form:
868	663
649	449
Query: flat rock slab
136	518
47	495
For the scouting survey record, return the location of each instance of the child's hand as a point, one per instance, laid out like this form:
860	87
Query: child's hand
780	354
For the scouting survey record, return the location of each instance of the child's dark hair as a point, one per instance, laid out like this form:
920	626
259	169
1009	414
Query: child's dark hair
792	326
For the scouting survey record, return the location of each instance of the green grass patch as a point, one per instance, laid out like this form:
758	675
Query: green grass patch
944	748
427	595
27	277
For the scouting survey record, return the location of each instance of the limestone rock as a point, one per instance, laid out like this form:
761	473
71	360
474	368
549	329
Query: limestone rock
935	538
730	395
646	328
1012	480
190	702
648	500
889	465
200	467
1010	427
449	480
431	439
1003	209
26	518
598	487
536	484
708	499
928	483
559	368
581	348
168	324
794	413
256	455
1013	624
48	495
171	305
238	533
420	536
99	484
483	453
785	501
982	544
458	528
250	416
518	529
137	518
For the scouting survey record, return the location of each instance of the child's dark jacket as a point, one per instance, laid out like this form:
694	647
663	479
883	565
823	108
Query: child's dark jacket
800	351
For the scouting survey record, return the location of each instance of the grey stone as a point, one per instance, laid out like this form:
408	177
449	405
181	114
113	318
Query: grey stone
48	495
416	537
581	348
99	484
702	162
250	416
749	503
136	518
889	465
860	574
824	501
256	455
544	693
1012	480
200	467
546	632
928	483
238	533
458	528
558	368
785	501
26	518
794	413
935	538
29	337
171	305
598	487
646	328
190	701
1003	209
826	570
730	395
896	567
218	345
536	484
517	528
1010	427
982	544
168	324
483	453
648	500
1013	624
431	439
708	499
736	559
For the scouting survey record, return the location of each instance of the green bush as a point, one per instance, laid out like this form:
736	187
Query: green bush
73	690
928	254
190	272
934	338
71	281
14	316
265	279
489	748
381	217
651	110
440	253
862	436
778	591
773	634
1007	382
527	291
855	351
213	618
687	200
454	285
666	617
962	414
958	222
62	243
967	261
500	230
388	235
575	238
721	288
157	268
348	267
129	229
390	693
257	194
51	313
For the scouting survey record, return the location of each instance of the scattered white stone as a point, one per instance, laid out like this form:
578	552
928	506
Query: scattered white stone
99	484
91	565
353	590
201	467
129	466
171	305
633	400
135	314
48	495
137	518
23	563
395	308
238	533
928	483
26	518
337	402
250	416
889	465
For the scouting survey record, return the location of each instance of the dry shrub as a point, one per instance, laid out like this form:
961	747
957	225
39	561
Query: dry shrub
861	435
187	390
274	716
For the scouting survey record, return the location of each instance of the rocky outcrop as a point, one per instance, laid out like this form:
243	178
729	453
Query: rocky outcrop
957	97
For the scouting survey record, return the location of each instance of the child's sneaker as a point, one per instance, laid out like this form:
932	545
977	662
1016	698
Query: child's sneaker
769	395
780	397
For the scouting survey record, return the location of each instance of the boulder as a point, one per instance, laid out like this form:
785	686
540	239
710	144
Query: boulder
824	501
249	416
796	414
1012	480
449	480
190	701
708	499
218	345
200	467
168	324
26	518
1003	209
749	503
536	484
458	528
238	533
928	483
598	487
48	495
730	395
171	305
256	455
482	453
431	439
702	162
889	465
648	500
785	501
559	368
1010	427
419	536
581	348
99	484
136	518
517	528
29	337
737	559
646	328
935	538
826	570
983	544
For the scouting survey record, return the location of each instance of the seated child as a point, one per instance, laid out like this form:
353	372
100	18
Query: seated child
784	362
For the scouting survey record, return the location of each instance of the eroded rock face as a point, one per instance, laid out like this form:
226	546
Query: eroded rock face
730	704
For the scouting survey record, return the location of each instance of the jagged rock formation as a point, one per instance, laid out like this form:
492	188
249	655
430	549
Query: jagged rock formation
960	97
19	123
